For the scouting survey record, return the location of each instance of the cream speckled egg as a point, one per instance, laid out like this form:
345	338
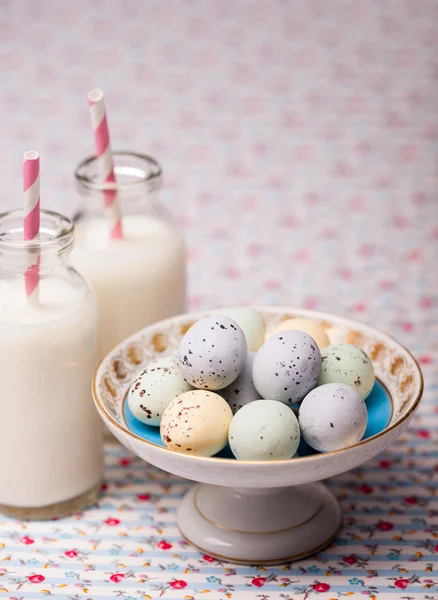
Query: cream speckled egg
212	353
154	388
242	391
345	363
196	423
264	430
311	327
333	416
286	367
250	321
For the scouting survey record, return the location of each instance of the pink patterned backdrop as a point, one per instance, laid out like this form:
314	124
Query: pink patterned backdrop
299	141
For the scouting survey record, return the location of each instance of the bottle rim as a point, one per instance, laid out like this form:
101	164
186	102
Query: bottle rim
56	231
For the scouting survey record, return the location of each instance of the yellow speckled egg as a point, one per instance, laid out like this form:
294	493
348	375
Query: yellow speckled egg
196	422
310	327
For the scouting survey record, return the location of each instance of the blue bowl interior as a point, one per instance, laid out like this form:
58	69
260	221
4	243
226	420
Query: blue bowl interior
379	414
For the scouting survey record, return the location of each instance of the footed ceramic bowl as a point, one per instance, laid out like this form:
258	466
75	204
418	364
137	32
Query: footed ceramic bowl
265	512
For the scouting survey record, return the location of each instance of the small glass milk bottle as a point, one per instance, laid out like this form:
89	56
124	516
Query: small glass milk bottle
140	278
50	455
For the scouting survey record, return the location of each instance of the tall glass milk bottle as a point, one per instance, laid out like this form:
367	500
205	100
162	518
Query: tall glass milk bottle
140	278
50	455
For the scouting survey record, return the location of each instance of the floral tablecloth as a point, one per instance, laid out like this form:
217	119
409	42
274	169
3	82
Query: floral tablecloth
300	145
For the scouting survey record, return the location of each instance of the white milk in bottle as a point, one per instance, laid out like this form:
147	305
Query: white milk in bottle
140	278
50	454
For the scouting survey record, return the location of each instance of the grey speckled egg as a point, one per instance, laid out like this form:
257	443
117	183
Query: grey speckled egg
155	388
212	353
345	363
333	416
286	367
242	391
251	323
264	430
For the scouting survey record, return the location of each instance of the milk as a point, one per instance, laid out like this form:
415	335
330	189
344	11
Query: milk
49	449
139	279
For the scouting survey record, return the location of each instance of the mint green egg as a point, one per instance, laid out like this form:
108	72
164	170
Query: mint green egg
264	430
345	363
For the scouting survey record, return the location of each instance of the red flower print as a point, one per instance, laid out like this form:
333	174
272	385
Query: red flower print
163	545
411	500
208	558
321	587
436	548
112	522
125	462
27	540
425	359
71	553
385	464
178	584
117	577
36	578
365	489
259	581
143	497
423	433
350	560
401	583
385	526
103	487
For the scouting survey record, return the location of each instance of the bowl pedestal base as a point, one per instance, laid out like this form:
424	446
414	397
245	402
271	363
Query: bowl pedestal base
259	526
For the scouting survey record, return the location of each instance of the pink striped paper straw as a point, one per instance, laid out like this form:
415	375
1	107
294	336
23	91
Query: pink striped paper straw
105	160
31	207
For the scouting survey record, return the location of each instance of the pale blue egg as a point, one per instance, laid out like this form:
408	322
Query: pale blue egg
345	363
264	430
251	323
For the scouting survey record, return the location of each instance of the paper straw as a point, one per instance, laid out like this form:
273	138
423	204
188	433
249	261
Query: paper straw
105	160
31	208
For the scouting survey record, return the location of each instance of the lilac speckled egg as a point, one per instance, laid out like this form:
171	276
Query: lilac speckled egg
196	423
155	388
345	363
333	416
212	353
242	391
287	366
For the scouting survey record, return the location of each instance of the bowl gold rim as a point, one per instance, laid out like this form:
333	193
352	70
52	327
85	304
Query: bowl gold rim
216	460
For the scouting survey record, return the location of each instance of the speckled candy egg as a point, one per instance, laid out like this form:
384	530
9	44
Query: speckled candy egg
154	388
313	328
333	416
197	423
264	430
250	321
286	367
242	391
344	363
212	353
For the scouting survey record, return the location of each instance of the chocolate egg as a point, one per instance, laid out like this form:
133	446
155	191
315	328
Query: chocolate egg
154	388
264	430
212	353
332	416
345	363
196	423
286	367
242	391
313	328
250	321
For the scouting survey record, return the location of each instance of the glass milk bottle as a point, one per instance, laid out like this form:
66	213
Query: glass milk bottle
50	455
140	278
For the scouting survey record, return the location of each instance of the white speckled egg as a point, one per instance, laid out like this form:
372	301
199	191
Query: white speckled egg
250	321
264	430
344	363
154	388
196	423
242	391
286	367
333	416
313	328
212	353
